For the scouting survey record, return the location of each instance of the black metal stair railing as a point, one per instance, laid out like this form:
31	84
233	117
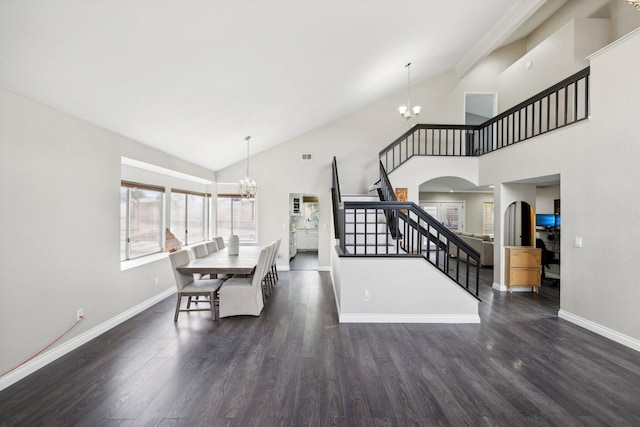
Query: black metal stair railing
560	105
363	230
420	235
336	199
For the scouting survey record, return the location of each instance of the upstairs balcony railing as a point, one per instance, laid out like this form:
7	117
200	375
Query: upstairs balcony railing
560	105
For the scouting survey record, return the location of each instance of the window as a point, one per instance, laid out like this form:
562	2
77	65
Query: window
140	219
188	213
487	218
449	214
237	215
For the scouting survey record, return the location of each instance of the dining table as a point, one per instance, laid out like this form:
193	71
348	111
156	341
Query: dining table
221	262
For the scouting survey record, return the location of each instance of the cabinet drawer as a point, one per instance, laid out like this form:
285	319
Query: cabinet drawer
525	258
524	276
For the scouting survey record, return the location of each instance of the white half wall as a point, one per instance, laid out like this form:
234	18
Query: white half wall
398	290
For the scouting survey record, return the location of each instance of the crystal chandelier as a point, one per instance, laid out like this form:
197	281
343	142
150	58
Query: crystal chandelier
635	3
406	111
248	185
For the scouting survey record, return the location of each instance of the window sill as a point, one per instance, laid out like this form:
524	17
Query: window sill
133	263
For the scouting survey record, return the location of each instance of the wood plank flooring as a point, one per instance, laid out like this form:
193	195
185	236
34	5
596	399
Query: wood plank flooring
296	366
304	260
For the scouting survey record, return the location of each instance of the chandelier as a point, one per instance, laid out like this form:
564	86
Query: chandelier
406	111
635	3
248	185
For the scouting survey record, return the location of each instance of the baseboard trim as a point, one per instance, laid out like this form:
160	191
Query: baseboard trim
68	346
335	294
409	318
324	268
503	288
625	340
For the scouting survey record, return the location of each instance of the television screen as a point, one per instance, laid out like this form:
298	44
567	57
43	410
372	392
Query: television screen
557	221
545	220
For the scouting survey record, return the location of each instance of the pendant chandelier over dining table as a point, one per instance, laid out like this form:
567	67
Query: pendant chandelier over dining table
248	185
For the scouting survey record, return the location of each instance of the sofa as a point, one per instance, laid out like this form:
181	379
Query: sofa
483	243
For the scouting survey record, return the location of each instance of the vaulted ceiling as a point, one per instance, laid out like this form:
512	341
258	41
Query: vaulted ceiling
194	77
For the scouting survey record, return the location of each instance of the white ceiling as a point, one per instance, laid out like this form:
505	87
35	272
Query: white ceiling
194	77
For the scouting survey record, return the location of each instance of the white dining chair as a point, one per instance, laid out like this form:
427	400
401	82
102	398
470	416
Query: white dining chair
220	242
243	295
188	287
199	251
195	252
274	262
268	280
212	246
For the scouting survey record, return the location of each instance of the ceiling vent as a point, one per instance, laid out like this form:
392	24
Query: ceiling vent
307	156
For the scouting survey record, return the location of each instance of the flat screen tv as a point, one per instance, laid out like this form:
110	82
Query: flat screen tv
546	220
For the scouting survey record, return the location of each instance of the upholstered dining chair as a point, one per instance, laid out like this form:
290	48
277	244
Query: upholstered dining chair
189	287
220	241
269	279
212	246
274	266
243	295
265	282
198	251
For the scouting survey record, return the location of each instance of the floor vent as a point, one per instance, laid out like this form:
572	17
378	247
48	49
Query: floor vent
307	156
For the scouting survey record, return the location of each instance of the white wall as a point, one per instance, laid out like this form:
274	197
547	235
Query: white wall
545	197
60	184
601	200
557	57
406	290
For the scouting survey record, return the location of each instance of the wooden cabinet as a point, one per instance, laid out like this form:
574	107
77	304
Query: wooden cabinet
522	266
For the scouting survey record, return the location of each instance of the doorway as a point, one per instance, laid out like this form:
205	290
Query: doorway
303	231
518	224
478	108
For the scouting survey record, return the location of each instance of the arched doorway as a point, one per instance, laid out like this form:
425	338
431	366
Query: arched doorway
519	223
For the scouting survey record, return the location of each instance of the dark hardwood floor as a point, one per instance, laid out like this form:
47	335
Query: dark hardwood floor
304	261
296	366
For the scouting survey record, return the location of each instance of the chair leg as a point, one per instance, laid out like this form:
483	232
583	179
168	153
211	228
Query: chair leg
189	303
213	306
175	318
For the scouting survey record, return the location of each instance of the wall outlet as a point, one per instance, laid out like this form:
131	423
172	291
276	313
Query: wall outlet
79	314
366	295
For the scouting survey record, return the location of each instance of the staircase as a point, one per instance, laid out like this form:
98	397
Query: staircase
391	229
422	258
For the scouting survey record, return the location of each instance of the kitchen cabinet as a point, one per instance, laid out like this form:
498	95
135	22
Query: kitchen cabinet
296	204
293	244
307	239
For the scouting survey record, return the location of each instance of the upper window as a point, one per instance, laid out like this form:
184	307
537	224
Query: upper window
188	213
237	215
140	219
